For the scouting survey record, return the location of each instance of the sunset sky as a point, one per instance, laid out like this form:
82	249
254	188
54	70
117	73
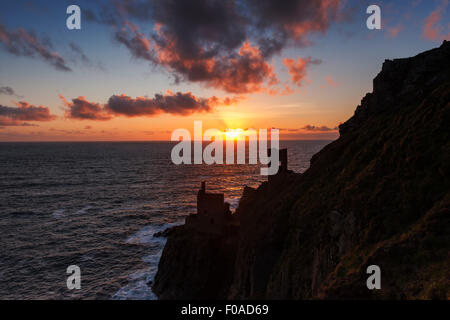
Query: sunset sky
137	70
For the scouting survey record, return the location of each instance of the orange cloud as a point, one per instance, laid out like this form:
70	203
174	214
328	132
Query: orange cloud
297	69
331	82
12	116
8	122
247	72
324	12
432	29
244	71
394	31
218	44
80	108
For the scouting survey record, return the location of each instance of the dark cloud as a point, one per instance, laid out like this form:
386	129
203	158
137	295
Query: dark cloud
225	44
318	128
80	108
290	22
309	127
122	105
238	72
177	103
14	116
7	90
26	43
136	42
105	17
77	49
201	28
83	58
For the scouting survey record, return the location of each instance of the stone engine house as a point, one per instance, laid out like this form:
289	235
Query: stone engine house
213	213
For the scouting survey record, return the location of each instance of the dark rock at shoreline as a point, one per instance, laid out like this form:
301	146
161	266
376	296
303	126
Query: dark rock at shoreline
195	265
380	194
165	233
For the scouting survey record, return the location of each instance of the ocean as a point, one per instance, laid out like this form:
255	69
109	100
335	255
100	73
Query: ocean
97	205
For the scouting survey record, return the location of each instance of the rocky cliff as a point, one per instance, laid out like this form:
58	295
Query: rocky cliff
377	195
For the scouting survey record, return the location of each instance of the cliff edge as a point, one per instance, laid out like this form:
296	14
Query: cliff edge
377	195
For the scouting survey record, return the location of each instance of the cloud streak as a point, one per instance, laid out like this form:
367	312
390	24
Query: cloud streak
25	43
14	116
318	128
432	30
7	90
181	104
81	57
331	82
8	122
310	128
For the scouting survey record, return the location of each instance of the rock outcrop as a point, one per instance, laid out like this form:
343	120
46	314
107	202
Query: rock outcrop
380	194
196	265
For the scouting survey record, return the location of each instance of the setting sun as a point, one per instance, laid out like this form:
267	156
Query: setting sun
233	133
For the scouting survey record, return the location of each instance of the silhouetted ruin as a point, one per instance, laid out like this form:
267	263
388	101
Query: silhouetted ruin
213	213
283	167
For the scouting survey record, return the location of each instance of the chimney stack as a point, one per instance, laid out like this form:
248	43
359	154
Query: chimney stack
203	189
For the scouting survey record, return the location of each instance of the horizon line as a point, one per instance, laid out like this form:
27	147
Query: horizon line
116	141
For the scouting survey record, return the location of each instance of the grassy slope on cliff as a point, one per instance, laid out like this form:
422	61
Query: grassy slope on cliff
377	195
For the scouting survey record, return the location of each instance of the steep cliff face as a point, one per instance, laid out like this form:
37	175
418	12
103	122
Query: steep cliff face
377	195
196	265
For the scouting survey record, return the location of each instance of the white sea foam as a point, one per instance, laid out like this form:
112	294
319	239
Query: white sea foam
145	235
84	210
61	213
137	287
58	213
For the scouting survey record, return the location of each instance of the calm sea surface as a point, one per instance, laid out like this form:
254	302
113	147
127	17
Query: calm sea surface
97	205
